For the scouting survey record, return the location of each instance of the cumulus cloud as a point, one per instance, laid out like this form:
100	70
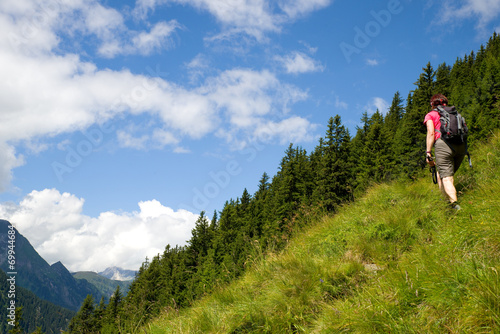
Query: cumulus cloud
485	11
298	62
39	27
9	162
147	42
56	227
126	139
240	16
291	130
254	18
143	43
45	92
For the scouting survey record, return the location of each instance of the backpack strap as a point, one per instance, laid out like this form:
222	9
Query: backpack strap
444	115
438	129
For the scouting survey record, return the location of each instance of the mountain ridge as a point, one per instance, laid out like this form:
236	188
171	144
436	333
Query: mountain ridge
118	274
53	283
105	285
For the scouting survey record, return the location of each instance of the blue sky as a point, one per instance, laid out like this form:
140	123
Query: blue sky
121	120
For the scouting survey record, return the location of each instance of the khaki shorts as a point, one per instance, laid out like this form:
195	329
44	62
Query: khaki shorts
448	160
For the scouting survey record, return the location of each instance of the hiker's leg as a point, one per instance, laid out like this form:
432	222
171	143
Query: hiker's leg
449	188
440	184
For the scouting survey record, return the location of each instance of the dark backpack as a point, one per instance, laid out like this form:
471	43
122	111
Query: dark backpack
453	128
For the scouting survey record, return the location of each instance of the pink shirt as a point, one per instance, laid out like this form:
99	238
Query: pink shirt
434	116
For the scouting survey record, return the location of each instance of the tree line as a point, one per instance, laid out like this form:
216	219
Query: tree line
387	145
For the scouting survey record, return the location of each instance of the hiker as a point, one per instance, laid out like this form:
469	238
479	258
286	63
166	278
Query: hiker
448	155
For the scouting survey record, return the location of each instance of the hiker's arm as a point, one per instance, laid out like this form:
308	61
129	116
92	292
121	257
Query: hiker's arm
430	137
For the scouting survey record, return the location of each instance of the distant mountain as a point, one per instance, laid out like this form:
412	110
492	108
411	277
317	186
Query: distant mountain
119	274
105	285
51	283
36	311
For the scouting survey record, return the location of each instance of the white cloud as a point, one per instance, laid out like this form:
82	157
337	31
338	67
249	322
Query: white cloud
485	11
148	42
59	231
45	92
239	16
67	95
291	130
234	89
39	27
197	62
298	62
164	137
158	139
296	8
340	104
197	67
250	100
126	139
143	43
102	21
254	18
9	161
377	103
372	62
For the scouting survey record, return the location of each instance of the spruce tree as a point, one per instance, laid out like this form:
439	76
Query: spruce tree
333	181
394	114
84	322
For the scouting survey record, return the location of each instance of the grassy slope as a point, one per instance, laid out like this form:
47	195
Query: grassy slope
105	285
396	261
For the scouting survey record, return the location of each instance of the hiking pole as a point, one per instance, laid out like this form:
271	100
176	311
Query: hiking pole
432	169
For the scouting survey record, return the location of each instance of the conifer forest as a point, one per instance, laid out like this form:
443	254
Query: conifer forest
388	145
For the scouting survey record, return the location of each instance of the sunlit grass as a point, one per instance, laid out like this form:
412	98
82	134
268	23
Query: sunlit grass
397	261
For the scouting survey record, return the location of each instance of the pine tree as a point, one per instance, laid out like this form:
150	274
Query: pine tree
357	153
114	307
394	114
84	322
201	239
333	181
442	84
375	160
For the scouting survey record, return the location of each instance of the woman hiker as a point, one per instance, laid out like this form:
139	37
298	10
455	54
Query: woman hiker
448	156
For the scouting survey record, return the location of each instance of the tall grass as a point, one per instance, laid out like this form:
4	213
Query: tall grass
397	261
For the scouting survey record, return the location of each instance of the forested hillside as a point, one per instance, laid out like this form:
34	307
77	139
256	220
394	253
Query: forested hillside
36	312
397	260
388	145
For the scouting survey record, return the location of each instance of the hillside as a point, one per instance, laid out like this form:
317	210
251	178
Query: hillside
387	147
105	285
36	312
53	283
397	260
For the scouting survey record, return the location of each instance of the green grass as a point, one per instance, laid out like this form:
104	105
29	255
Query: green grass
396	261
